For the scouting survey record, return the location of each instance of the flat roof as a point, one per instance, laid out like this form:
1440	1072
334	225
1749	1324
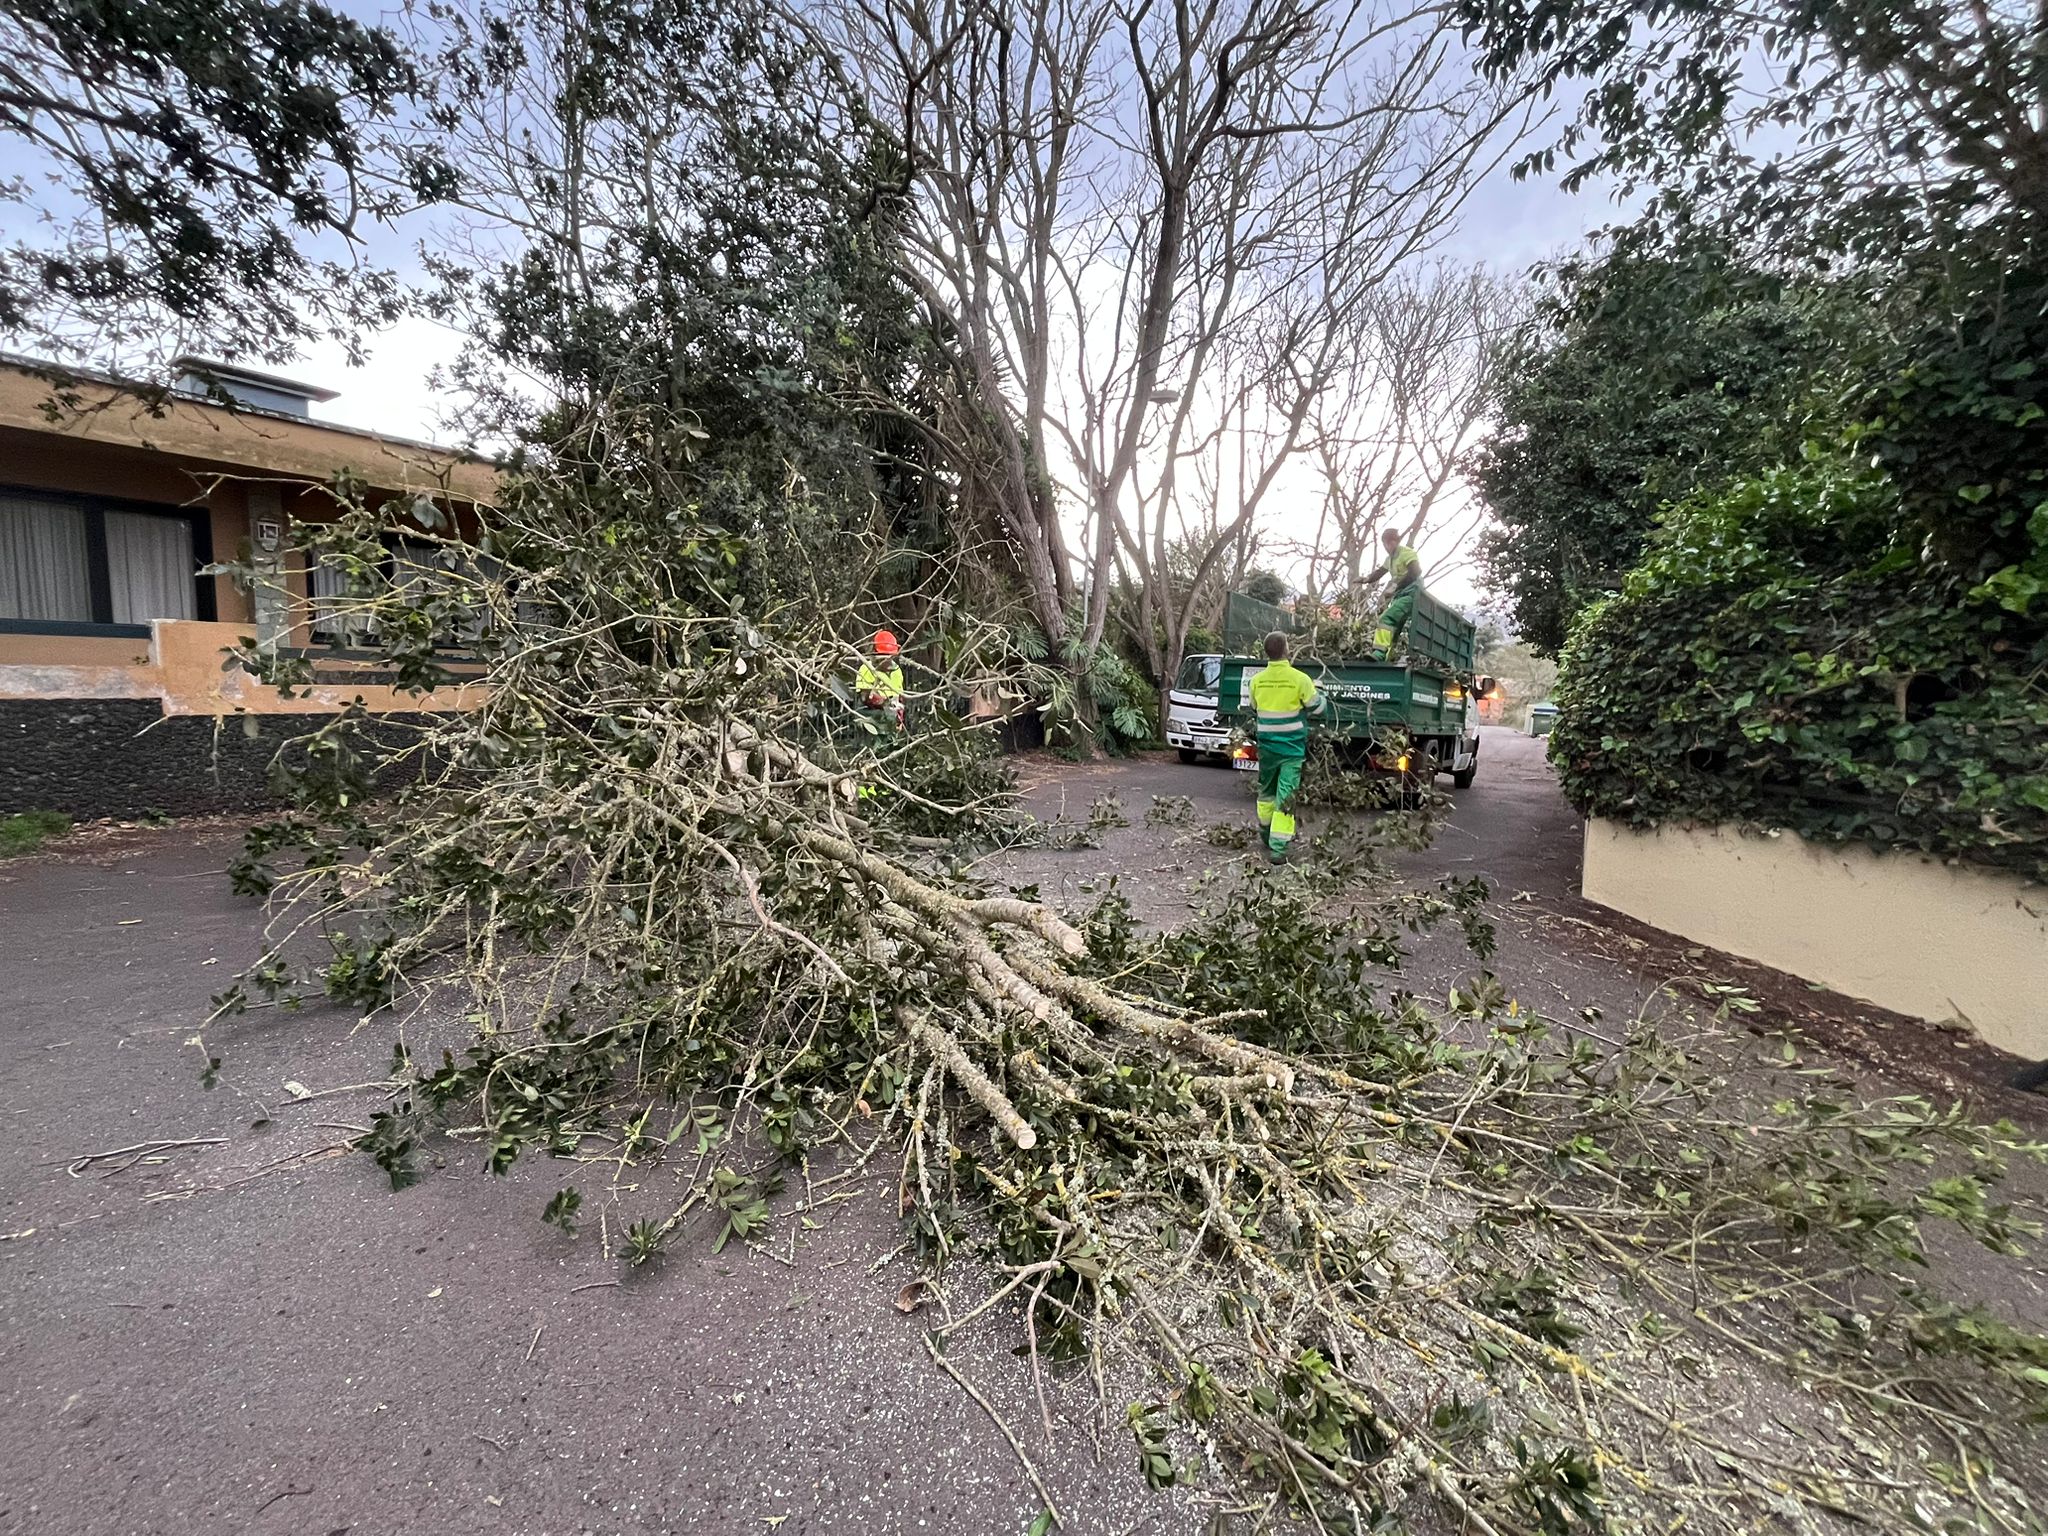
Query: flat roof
208	367
61	372
123	413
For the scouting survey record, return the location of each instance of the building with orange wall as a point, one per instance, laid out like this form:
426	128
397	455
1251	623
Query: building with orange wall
113	697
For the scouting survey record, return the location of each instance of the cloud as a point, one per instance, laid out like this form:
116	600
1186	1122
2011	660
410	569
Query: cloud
391	392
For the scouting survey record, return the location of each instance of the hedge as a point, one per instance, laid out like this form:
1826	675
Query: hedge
1785	657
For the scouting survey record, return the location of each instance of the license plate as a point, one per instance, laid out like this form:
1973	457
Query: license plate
1245	764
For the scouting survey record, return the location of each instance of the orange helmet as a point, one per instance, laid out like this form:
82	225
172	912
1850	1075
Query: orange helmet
886	643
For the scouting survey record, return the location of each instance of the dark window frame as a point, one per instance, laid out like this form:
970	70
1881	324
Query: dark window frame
391	539
100	575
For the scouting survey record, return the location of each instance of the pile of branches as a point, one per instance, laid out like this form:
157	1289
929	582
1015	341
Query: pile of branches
1386	1261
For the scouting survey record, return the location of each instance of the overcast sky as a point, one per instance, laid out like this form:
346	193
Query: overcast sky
1507	225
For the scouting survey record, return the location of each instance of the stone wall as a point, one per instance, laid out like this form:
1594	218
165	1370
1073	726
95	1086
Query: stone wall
127	758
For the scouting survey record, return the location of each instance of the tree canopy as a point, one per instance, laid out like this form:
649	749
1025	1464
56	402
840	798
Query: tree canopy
1782	658
705	237
183	157
1867	128
1843	627
1645	376
1267	586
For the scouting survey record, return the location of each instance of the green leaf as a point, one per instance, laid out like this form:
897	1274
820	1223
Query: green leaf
562	1208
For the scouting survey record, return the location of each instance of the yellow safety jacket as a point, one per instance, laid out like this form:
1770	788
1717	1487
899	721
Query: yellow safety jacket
1285	697
1404	567
887	686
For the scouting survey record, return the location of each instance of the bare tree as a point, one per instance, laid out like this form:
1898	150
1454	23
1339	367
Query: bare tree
1152	230
1389	434
673	207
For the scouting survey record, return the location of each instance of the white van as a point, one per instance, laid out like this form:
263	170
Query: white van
1191	704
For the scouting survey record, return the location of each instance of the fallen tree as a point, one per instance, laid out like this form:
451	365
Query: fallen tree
1387	1260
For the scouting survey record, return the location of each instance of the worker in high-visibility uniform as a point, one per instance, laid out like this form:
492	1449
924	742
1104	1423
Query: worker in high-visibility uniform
1285	697
879	683
1404	566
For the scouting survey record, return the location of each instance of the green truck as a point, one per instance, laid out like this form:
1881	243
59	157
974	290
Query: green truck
1411	719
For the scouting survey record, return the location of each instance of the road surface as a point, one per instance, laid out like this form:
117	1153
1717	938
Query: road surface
247	1331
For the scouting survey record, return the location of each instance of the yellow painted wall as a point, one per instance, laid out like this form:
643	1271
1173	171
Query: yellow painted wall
72	651
180	667
188	659
1932	940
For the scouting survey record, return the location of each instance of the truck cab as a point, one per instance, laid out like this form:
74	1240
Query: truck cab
1194	726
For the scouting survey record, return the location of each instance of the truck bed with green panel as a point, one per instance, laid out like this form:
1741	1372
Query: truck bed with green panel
1416	716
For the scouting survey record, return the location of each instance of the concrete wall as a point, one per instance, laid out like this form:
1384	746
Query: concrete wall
143	726
1932	940
87	651
191	680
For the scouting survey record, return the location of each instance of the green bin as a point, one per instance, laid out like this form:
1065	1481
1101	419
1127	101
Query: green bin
1542	719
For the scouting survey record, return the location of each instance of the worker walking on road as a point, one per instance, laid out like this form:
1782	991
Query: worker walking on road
1285	697
879	683
1404	566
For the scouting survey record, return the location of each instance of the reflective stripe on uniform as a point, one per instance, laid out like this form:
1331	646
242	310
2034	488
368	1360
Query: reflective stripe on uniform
1283	697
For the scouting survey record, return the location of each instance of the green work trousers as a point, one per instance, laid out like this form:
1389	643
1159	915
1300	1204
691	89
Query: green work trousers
1279	777
1394	620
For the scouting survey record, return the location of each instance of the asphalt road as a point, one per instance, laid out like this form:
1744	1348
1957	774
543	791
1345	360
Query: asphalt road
257	1335
1512	827
250	1332
1560	953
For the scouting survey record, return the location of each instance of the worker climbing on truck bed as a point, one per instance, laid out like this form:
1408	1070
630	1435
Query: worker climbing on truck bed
1408	719
1404	567
1285	697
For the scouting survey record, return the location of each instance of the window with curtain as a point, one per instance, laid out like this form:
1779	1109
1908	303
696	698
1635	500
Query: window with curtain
150	567
68	560
45	561
418	573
